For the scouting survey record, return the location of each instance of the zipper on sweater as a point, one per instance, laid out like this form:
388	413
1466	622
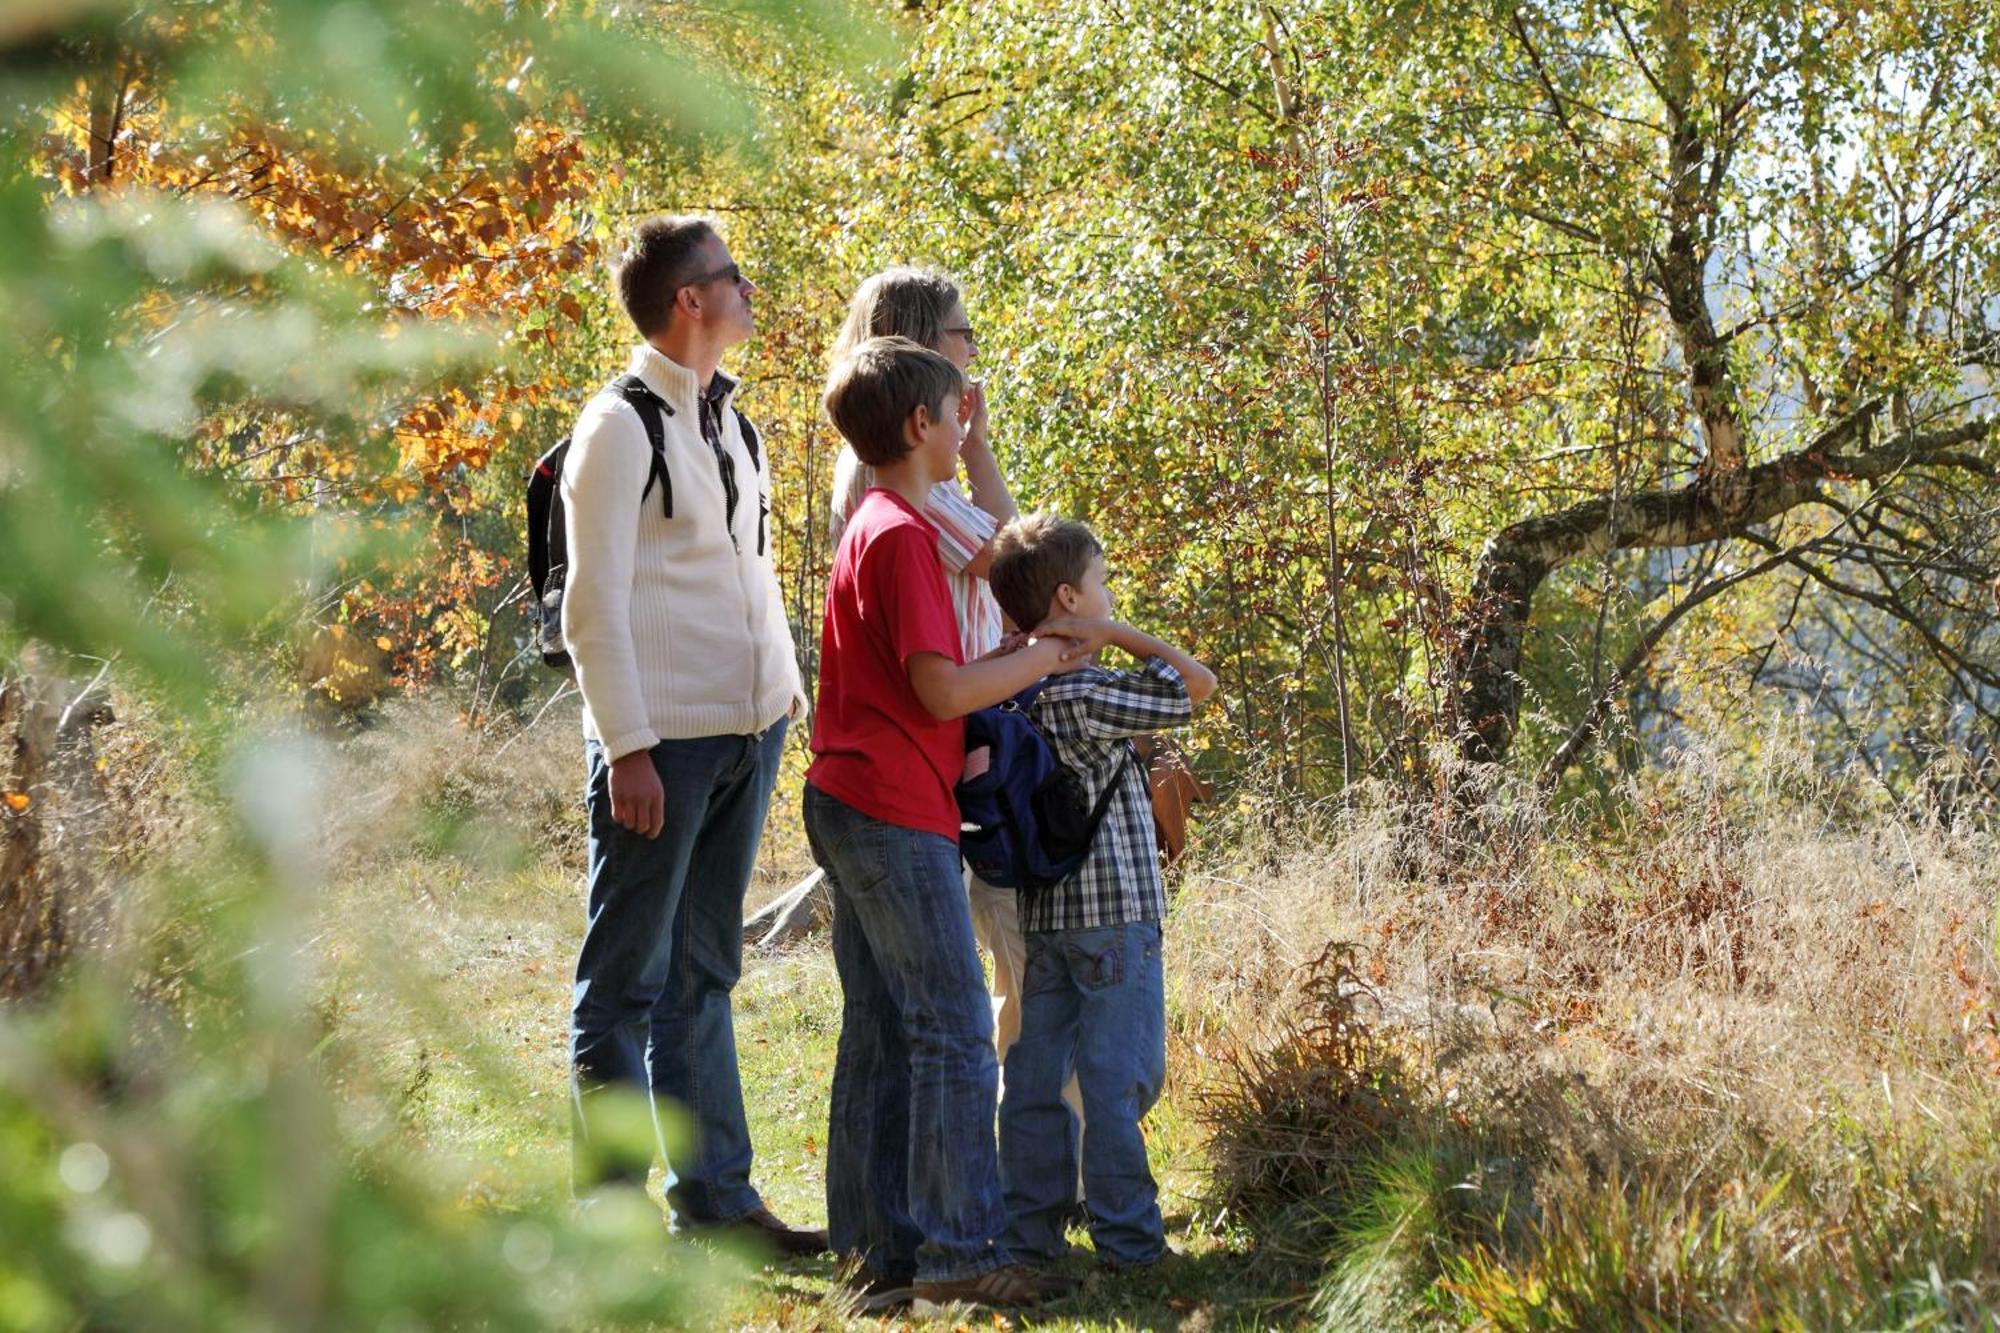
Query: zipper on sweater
712	418
753	631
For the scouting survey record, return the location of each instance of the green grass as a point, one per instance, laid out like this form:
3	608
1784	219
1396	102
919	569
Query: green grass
469	1039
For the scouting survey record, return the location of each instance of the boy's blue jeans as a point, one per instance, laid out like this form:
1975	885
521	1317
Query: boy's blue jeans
661	953
1094	1004
912	1180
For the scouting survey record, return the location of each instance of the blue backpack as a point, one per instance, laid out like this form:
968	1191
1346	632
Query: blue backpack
1025	822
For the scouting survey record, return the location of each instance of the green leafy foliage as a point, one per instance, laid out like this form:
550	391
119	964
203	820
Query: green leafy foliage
261	256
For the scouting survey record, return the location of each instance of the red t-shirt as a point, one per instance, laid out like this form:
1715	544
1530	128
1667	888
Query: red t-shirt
875	746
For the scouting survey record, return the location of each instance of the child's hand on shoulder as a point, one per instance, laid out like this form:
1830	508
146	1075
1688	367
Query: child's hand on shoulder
1086	635
1053	654
1009	644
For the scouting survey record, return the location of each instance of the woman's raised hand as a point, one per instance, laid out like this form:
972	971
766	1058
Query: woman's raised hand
972	416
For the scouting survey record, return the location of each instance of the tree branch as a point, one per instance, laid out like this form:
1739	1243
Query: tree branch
1487	649
1585	733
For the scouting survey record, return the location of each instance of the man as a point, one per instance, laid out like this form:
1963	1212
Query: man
674	621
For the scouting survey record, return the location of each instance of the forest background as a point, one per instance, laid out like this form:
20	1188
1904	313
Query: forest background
1522	408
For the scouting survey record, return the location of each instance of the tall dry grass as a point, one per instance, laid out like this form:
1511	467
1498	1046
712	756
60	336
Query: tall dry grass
1729	1061
1724	1056
498	796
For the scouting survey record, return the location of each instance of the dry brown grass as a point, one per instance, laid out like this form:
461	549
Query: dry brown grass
1717	935
1727	1057
1292	1119
1756	980
418	778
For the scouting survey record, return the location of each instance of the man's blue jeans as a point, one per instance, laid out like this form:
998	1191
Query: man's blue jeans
1094	1005
912	1180
661	954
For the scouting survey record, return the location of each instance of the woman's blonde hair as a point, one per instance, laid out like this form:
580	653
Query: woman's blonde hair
901	302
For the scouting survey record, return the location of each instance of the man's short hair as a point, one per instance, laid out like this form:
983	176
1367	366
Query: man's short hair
901	302
1032	557
872	390
663	256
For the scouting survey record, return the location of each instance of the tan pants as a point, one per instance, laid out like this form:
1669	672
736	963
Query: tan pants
996	924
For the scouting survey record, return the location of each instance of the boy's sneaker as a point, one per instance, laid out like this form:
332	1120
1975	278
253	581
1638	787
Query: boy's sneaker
1013	1287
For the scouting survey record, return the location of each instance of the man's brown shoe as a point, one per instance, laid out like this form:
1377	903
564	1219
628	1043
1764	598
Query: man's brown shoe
760	1229
1013	1287
879	1293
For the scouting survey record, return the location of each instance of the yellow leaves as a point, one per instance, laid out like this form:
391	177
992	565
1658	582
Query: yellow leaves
400	489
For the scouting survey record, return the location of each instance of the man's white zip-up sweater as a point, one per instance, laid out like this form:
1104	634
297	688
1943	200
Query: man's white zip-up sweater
676	625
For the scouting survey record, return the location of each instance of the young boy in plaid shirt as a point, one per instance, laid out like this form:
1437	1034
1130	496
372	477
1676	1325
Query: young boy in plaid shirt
1095	1000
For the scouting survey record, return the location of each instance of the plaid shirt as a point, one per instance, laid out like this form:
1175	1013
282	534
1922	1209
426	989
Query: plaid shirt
1089	717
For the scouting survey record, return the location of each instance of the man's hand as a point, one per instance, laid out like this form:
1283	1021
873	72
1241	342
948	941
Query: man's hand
637	800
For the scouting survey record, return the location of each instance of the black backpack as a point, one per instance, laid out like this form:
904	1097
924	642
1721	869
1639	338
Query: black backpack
548	524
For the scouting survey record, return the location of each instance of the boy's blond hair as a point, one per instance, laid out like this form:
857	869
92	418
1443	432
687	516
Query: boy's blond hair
871	392
1032	557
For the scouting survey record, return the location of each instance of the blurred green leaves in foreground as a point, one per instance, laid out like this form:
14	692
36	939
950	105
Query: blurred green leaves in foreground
216	1158
139	318
188	1143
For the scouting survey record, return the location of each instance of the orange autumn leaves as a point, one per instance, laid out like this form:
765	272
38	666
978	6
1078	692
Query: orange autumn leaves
490	234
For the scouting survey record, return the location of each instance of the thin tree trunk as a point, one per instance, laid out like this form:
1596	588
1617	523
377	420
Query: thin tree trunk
31	919
108	102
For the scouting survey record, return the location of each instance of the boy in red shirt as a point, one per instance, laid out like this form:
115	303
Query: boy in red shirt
912	1180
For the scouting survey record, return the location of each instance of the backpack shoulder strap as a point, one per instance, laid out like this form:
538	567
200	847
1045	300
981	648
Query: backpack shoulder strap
751	441
632	388
653	412
1024	698
754	446
1103	802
